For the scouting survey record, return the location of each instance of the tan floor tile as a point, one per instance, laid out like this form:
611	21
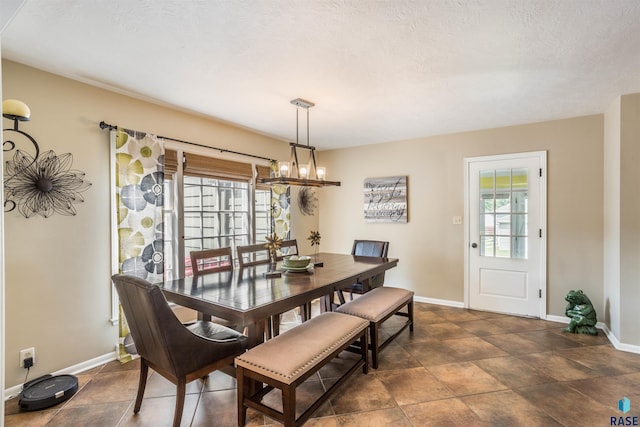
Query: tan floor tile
567	406
159	412
447	412
557	367
514	344
107	387
105	414
604	358
515	324
416	385
548	340
382	418
474	348
609	389
506	408
432	353
361	393
395	357
29	419
513	372
466	378
218	408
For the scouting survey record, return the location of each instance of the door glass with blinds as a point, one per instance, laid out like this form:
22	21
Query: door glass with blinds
504	213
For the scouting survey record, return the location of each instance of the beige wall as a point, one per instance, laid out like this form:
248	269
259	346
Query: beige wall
58	292
431	249
630	218
611	208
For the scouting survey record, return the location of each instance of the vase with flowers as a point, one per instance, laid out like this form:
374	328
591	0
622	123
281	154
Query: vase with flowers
314	239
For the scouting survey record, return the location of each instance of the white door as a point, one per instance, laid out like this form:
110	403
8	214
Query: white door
506	200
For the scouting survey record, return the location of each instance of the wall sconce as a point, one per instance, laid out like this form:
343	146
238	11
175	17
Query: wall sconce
38	184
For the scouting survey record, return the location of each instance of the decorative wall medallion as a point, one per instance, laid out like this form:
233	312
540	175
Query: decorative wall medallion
44	185
307	201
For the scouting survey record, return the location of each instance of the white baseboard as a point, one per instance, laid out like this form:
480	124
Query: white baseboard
12	392
447	303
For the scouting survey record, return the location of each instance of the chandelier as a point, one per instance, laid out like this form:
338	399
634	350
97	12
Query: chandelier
294	172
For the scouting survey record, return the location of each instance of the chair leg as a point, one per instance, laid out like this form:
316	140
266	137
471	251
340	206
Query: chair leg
142	383
275	325
341	296
180	395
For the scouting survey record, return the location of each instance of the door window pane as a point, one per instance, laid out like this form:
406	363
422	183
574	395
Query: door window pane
503	212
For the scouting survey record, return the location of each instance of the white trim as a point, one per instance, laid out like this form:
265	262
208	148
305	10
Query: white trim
14	391
115	311
436	301
542	155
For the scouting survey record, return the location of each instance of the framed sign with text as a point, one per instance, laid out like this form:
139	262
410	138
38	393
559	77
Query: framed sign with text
385	199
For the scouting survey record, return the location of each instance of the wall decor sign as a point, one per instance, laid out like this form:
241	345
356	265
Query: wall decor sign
385	199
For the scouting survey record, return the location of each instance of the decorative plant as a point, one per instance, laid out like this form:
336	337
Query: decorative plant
314	238
273	245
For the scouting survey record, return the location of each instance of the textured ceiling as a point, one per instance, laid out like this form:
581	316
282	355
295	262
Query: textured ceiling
377	70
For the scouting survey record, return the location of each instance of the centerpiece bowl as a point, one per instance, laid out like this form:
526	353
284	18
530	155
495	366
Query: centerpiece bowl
296	261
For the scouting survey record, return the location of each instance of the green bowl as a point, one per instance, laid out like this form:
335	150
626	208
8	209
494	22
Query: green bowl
296	261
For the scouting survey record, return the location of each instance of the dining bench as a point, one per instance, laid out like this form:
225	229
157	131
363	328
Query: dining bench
376	306
287	360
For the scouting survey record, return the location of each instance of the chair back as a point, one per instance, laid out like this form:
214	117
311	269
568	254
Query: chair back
287	247
250	255
211	261
151	321
373	248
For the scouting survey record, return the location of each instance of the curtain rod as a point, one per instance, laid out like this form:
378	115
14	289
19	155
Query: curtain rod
104	125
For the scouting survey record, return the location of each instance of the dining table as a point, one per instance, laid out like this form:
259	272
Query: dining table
249	296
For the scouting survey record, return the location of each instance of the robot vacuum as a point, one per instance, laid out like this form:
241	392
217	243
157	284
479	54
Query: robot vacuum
47	391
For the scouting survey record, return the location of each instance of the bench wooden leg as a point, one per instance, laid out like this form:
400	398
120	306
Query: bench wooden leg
289	406
241	391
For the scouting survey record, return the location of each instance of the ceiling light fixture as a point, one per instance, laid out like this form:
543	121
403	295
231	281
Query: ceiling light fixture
302	174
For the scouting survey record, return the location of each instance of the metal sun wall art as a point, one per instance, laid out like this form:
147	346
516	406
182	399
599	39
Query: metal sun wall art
307	201
39	184
385	199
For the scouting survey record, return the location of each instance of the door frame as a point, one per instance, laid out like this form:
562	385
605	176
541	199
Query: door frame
542	156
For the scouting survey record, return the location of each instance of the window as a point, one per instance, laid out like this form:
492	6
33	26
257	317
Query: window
504	213
212	203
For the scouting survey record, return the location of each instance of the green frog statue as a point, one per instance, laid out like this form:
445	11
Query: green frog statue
582	314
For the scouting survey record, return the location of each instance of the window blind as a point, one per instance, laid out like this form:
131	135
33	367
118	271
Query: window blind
210	167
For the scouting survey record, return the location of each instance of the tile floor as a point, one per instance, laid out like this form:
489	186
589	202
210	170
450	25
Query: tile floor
459	368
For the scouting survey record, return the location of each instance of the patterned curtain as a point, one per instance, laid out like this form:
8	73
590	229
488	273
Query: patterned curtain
280	207
138	216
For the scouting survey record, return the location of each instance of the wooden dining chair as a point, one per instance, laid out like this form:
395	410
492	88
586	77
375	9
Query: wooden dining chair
252	255
179	353
372	248
211	261
287	247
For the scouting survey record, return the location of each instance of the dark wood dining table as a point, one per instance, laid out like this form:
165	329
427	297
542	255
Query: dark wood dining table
247	297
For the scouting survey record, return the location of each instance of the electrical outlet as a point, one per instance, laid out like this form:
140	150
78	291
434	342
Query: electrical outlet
26	353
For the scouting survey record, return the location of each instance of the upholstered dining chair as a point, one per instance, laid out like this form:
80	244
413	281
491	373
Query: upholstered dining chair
372	248
179	353
211	261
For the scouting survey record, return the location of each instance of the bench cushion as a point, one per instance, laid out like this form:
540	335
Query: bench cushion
296	351
378	303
